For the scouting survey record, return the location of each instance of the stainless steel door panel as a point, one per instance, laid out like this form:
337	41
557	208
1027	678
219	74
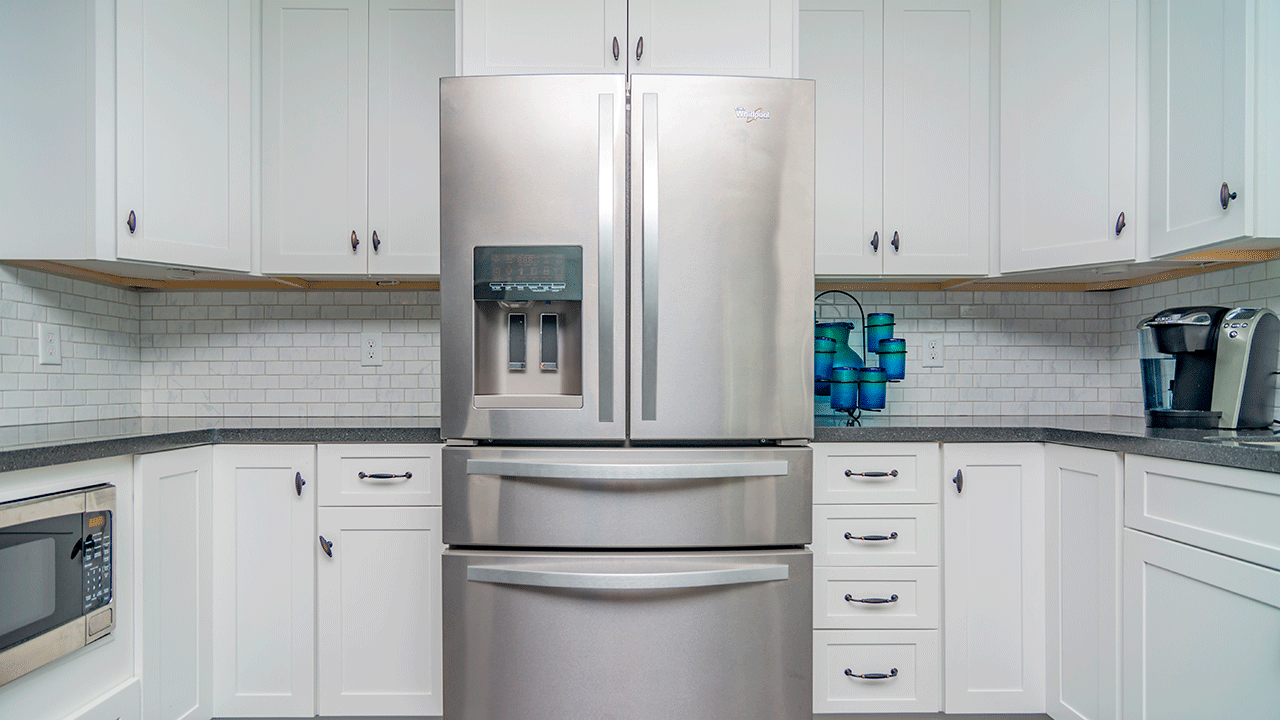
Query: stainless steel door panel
628	497
722	258
535	160
627	648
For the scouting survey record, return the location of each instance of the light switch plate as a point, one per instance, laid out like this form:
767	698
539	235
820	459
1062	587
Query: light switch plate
371	349
50	344
934	351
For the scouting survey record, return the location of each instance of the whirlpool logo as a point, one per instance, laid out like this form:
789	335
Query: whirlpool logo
750	115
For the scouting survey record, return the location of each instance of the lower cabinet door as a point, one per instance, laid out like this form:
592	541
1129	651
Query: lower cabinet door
877	671
378	602
544	635
264	587
1201	634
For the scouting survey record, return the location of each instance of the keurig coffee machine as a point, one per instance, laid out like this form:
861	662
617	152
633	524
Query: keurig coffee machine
1209	367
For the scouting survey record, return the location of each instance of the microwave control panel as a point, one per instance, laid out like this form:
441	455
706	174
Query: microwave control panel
97	560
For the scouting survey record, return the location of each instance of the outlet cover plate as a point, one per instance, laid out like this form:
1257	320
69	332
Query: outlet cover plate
934	351
50	344
371	349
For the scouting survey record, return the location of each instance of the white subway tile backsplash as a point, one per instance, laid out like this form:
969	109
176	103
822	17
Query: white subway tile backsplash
293	353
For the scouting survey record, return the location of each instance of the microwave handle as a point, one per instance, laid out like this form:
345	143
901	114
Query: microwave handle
627	471
741	575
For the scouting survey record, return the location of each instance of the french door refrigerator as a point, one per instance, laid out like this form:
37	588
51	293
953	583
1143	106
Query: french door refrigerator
626	292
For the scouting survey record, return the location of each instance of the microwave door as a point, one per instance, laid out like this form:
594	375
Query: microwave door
533	257
721	258
41	577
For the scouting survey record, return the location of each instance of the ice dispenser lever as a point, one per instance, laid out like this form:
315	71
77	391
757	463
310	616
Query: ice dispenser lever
515	341
550	333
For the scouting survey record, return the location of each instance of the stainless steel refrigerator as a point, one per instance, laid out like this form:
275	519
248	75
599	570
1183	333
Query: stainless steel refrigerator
626	291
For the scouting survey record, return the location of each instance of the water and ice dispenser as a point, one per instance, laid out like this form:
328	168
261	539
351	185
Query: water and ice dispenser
528	325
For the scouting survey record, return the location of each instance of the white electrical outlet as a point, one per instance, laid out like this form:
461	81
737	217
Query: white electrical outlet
371	349
50	345
934	351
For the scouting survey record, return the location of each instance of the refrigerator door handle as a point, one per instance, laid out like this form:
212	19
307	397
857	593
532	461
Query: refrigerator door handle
736	575
627	471
649	261
605	330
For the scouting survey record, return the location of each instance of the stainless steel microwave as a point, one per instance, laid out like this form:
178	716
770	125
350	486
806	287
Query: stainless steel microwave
56	592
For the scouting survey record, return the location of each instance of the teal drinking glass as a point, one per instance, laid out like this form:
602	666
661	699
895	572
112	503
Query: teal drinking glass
871	383
893	358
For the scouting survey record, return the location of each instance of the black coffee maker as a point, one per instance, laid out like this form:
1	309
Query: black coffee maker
1209	367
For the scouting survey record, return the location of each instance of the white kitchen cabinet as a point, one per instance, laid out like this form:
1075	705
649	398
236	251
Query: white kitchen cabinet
183	95
378	631
877	588
378	474
1068	134
175	513
350	135
58	154
993	578
1201	632
1203	100
720	37
264	503
1084	513
98	681
903	125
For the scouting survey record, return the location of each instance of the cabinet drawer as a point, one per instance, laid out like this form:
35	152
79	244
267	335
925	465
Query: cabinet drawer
839	596
377	474
1226	510
876	473
914	654
837	529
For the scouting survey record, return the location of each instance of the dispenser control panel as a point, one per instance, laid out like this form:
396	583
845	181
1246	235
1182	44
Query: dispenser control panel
528	272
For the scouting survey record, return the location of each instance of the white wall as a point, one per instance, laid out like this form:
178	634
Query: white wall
293	353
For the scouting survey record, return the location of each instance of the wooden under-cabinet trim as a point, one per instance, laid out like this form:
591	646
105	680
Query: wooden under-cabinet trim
987	285
1237	256
1220	260
247	283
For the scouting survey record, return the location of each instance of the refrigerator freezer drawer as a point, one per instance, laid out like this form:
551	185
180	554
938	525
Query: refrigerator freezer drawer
627	498
643	636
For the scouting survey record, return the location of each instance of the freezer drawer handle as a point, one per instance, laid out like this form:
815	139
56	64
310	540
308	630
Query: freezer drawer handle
742	575
871	473
893	672
872	601
619	471
874	538
373	478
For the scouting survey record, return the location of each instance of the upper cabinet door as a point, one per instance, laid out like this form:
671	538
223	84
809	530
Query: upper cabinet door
841	50
183	170
1200	104
315	73
410	49
517	37
711	37
1068	133
937	124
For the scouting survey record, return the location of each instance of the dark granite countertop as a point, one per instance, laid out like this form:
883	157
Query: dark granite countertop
28	446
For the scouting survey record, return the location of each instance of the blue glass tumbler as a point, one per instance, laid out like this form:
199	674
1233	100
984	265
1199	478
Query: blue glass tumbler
879	327
844	389
824	353
893	358
871	383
